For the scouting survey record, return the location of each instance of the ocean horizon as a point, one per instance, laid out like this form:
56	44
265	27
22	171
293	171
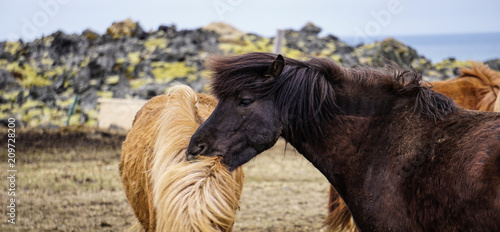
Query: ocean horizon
472	46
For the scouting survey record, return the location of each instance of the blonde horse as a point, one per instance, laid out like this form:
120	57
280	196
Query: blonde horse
477	88
166	192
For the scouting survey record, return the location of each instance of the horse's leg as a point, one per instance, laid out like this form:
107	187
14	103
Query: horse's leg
339	217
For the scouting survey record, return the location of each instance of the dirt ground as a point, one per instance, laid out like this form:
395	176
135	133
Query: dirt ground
69	181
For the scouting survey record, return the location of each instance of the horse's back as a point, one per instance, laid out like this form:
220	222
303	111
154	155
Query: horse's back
463	90
459	179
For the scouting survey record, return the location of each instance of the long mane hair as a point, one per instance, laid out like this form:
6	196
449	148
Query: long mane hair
166	192
490	80
190	196
315	86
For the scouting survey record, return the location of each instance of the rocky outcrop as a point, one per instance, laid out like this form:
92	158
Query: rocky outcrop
40	80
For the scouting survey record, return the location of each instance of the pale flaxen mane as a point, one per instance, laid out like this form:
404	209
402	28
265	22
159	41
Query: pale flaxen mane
166	192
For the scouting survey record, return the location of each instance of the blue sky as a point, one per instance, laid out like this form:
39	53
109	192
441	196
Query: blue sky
32	19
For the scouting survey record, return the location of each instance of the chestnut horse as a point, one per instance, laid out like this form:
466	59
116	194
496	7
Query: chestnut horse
165	192
403	157
475	89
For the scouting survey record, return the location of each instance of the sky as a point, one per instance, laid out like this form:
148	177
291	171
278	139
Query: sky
31	19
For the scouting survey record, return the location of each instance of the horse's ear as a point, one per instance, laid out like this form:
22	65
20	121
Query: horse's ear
276	67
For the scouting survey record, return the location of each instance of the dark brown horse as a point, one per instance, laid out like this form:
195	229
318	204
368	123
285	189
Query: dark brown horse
477	88
402	157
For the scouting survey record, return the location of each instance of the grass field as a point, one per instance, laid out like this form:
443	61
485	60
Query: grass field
69	181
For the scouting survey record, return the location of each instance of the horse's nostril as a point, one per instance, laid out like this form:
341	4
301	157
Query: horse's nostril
202	148
195	151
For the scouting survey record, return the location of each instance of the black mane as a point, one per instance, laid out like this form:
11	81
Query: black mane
304	92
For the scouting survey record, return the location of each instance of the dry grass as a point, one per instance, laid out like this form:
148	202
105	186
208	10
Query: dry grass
79	189
61	192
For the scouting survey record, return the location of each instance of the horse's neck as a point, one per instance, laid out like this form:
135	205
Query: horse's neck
364	104
336	153
364	120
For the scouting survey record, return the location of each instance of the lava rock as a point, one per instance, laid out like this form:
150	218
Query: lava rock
310	29
44	94
7	81
494	64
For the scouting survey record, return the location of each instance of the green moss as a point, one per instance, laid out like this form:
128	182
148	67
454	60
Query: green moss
94	82
4	115
105	94
85	62
111	80
32	114
136	83
152	43
434	73
65	103
292	53
32	104
205	74
91	123
74	119
365	60
30	76
336	57
5	107
12	47
47	41
92	114
166	72
58	70
47	62
130	70
362	49
134	58
452	64
249	44
10	95
3	62
330	48
121	60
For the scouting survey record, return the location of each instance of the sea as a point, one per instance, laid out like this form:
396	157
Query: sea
474	46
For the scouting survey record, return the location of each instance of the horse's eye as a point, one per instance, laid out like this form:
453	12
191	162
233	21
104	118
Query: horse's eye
245	102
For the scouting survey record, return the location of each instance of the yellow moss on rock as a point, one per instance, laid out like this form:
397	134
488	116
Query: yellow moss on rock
29	75
136	83
166	72
74	119
65	103
336	57
32	114
12	47
134	58
152	43
249	44
452	64
292	53
58	70
10	95
5	107
85	62
111	80
3	62
47	62
29	103
105	94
